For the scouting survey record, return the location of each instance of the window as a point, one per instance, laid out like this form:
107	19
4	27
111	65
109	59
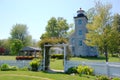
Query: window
80	42
79	21
80	32
73	40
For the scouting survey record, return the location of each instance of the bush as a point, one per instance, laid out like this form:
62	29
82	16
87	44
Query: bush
103	78
24	69
72	70
6	67
35	64
80	70
88	70
58	56
84	70
13	68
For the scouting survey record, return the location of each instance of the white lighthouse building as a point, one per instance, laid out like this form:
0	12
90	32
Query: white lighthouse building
79	48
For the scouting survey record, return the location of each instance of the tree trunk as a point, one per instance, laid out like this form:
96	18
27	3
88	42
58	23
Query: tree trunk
106	53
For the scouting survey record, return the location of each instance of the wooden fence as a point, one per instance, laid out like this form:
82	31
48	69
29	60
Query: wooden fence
18	63
100	68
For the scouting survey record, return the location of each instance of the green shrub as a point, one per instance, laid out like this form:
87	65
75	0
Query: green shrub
84	70
6	67
102	77
116	78
24	69
35	64
13	68
88	70
58	56
80	69
72	70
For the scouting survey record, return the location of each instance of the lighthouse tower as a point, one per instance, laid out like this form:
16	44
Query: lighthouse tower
79	48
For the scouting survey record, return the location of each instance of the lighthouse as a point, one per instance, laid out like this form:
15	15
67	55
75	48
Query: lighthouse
79	48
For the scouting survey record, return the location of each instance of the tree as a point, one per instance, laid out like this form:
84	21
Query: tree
5	43
98	30
90	14
56	28
19	31
63	26
115	40
15	46
116	22
45	35
71	29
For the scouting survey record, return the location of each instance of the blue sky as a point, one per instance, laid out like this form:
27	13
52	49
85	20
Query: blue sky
36	13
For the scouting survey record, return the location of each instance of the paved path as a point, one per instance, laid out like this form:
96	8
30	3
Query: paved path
55	71
25	76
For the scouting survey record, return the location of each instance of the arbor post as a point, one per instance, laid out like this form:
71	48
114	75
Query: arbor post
44	59
64	55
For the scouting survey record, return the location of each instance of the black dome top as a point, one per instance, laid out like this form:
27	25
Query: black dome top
80	15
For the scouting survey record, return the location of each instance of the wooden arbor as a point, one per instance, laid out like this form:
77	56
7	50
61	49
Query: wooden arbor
46	59
46	44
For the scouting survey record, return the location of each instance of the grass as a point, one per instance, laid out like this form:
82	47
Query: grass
58	66
7	57
99	59
24	75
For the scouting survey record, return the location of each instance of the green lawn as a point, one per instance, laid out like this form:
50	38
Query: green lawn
24	75
56	64
7	57
99	59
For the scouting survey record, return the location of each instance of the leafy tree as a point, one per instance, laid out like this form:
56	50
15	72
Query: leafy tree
98	30
34	43
115	35
71	29
63	26
45	35
19	31
15	46
52	27
116	22
5	43
56	28
90	14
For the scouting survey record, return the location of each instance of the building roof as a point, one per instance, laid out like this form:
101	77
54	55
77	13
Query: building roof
81	13
31	49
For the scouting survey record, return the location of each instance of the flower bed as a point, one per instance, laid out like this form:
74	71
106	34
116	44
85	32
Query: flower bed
24	57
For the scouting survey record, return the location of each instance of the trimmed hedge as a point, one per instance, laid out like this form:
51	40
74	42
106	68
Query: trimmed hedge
6	67
24	57
57	56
